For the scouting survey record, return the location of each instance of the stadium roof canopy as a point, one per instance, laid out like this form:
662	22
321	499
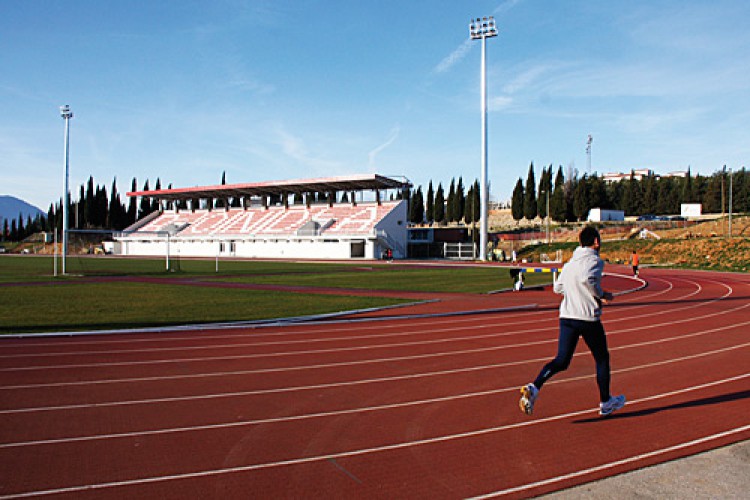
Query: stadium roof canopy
350	183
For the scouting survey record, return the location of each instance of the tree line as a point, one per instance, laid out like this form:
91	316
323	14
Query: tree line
571	199
434	207
94	208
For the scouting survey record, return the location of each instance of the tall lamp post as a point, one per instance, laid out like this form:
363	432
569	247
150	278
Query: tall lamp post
482	29
67	114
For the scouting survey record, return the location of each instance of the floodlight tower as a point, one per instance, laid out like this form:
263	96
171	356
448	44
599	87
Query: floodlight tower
588	154
482	29
67	114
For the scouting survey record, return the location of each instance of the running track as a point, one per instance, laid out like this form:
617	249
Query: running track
381	407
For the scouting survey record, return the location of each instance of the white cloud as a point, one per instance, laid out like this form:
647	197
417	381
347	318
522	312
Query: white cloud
391	139
454	57
499	103
505	6
296	149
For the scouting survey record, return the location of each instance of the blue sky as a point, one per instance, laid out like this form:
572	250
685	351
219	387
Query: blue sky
268	90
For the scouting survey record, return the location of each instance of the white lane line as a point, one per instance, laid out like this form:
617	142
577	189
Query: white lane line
371	361
373	450
370	347
391	406
330	327
478	316
337	384
616	463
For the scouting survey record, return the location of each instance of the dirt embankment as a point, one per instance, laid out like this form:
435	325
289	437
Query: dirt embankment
704	245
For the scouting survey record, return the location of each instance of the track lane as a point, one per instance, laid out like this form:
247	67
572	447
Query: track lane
718	304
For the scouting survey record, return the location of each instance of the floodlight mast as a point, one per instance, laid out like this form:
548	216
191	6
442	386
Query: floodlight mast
67	114
482	29
588	154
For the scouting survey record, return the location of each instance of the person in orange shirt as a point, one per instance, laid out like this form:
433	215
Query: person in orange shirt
634	263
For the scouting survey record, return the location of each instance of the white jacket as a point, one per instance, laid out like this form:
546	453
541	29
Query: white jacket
580	283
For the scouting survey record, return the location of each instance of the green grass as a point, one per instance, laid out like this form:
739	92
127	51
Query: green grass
395	277
93	306
34	300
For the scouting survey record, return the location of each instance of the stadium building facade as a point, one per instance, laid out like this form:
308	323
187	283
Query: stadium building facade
298	219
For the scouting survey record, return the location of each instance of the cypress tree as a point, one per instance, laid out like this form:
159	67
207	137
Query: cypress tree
460	200
417	207
468	206
132	204
517	201
450	215
557	202
545	189
688	195
439	209
155	202
430	204
476	203
145	203
529	204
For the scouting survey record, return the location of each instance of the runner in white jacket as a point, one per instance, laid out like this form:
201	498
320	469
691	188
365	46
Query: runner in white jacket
580	310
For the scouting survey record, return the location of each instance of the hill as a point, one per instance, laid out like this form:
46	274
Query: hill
703	245
10	207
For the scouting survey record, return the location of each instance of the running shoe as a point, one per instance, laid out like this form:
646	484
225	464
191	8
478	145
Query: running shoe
614	404
529	392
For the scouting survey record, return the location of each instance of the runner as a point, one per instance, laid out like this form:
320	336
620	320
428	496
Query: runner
580	310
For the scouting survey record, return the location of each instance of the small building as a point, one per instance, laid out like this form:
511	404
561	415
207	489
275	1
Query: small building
691	209
602	215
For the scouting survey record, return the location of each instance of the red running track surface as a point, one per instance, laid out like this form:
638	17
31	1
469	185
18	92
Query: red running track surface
380	407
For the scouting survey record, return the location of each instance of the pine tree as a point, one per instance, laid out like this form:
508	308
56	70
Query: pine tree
529	203
581	200
649	194
597	193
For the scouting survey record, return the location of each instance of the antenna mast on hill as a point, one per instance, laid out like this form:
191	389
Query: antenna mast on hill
588	154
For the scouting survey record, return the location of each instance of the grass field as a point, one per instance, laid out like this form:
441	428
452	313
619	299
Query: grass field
106	292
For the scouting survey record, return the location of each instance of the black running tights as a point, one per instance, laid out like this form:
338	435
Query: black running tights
593	334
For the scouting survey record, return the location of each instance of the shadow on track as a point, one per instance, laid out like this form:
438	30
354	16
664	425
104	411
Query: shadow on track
724	398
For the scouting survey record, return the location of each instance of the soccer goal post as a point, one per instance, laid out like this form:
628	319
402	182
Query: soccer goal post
459	251
99	252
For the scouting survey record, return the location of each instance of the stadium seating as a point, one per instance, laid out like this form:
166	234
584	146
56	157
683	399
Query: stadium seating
342	219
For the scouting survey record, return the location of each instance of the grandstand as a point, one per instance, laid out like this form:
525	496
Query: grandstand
262	220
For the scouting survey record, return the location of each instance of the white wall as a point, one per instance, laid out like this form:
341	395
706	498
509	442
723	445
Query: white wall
337	246
281	248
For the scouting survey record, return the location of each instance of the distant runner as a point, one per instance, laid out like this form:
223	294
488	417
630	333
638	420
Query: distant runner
634	262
